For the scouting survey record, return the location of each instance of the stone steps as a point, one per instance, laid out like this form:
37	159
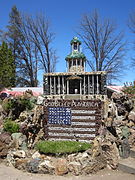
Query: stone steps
128	165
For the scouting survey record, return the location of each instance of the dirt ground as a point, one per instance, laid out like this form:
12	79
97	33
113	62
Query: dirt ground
10	173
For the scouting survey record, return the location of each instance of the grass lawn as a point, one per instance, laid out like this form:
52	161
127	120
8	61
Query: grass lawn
61	147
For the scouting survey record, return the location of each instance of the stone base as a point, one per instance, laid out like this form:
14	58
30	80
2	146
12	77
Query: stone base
77	97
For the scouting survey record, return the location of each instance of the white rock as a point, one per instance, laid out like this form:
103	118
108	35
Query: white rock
40	100
19	154
46	163
36	155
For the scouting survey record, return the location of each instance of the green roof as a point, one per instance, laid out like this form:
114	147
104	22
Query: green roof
75	55
75	39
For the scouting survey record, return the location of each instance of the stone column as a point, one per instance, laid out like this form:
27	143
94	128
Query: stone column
58	84
103	84
81	62
97	85
50	85
72	62
54	85
88	84
63	87
93	84
84	84
67	86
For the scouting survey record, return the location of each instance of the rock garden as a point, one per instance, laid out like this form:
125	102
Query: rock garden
23	145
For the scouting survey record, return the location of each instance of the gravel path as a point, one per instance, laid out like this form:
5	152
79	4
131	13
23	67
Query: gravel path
10	173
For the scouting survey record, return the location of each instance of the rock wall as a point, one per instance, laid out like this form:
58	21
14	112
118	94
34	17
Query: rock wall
116	136
119	120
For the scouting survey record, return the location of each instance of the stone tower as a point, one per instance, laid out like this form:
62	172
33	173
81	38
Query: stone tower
76	83
76	59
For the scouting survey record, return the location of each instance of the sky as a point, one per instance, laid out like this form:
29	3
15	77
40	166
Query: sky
65	16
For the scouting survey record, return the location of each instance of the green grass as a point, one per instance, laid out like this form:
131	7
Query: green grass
11	126
61	147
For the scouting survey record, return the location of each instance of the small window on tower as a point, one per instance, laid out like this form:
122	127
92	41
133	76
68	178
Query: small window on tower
75	46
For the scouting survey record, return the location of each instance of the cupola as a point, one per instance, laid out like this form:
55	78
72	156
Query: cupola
76	59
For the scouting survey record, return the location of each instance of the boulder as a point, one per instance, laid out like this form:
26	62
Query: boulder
131	116
132	137
38	114
21	163
116	96
46	167
71	157
40	100
19	141
83	157
4	148
61	167
28	94
96	147
23	116
19	154
15	155
110	153
39	136
118	121
105	148
112	110
129	104
125	132
5	140
109	122
10	160
121	109
95	165
75	168
2	116
36	155
5	137
32	165
125	148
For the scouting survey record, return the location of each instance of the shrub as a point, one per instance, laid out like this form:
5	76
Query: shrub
61	147
8	104
129	90
25	104
11	126
21	103
17	105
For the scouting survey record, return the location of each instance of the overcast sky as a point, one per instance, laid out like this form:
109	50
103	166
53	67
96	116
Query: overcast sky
65	16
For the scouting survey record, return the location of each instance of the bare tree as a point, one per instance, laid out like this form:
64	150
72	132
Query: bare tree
131	25
33	52
42	37
106	48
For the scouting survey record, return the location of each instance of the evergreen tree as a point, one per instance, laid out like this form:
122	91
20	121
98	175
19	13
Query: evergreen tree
13	34
13	38
7	66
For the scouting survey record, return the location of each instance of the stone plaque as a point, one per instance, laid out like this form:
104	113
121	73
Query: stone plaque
72	119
